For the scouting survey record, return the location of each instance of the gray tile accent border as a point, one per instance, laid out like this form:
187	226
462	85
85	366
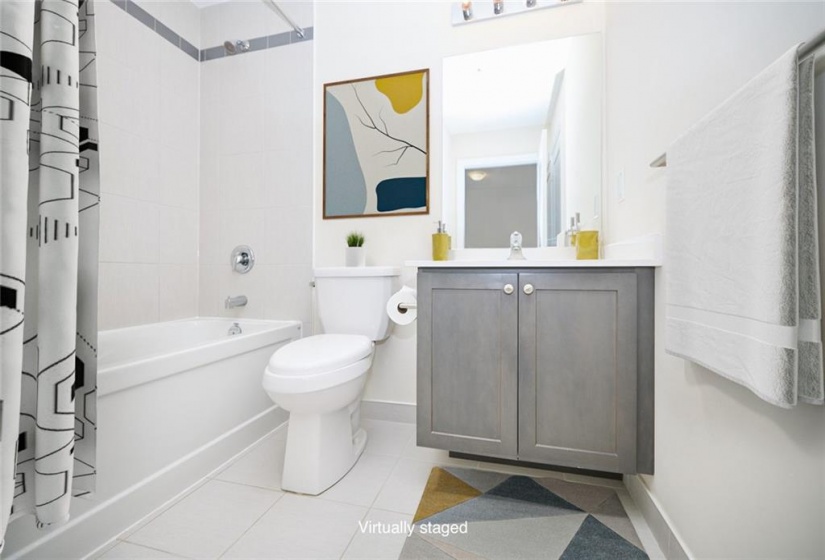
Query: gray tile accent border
189	49
278	40
257	44
211	53
140	14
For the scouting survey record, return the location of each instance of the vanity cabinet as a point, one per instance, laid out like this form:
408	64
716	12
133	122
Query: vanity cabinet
549	366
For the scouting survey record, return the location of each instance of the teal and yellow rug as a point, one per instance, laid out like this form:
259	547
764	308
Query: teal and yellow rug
469	514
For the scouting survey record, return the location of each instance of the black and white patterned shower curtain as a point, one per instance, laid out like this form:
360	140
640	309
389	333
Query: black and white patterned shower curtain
48	256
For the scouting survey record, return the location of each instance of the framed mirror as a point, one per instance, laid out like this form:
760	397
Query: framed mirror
523	141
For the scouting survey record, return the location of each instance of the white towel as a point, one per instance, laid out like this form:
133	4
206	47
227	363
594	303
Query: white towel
742	255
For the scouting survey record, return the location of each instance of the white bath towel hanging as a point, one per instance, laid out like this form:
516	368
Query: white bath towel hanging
742	255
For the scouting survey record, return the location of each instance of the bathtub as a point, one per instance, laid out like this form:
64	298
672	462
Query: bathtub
175	401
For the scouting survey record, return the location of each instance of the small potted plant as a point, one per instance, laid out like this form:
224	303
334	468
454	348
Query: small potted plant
356	255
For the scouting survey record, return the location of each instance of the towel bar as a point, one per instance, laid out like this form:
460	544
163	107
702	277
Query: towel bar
807	48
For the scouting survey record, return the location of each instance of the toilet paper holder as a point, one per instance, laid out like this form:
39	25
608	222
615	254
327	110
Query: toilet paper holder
404	307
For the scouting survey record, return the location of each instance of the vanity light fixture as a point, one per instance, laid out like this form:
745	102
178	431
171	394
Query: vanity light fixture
477	174
479	10
467	10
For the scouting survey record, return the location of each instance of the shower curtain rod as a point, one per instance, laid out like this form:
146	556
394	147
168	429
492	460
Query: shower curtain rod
275	8
807	48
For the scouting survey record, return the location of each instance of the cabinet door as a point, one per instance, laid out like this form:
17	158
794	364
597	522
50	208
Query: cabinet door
467	362
577	367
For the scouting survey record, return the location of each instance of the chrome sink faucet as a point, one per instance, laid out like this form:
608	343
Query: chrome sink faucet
515	247
235	301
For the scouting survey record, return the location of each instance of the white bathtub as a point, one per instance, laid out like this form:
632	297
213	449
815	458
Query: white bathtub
175	401
135	355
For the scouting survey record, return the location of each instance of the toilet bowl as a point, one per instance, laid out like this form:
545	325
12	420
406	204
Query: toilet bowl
319	379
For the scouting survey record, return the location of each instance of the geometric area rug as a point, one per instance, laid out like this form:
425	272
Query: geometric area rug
467	514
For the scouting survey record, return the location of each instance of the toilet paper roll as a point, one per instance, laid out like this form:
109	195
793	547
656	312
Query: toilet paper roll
400	315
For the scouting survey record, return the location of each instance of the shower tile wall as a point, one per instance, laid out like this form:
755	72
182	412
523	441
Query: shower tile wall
149	113
256	164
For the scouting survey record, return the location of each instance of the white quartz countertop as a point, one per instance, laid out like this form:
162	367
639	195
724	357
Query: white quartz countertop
599	263
644	251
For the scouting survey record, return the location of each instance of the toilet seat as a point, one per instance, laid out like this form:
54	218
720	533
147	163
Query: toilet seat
318	362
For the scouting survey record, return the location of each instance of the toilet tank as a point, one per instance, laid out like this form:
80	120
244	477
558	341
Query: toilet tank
353	299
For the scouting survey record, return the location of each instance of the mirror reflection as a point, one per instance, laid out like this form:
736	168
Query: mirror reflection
523	141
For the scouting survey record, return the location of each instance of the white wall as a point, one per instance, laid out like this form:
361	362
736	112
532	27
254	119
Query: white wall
736	476
387	37
148	110
256	164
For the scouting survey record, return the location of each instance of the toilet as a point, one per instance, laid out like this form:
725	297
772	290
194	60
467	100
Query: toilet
319	379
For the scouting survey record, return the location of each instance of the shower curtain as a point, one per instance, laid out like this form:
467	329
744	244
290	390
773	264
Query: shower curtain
48	256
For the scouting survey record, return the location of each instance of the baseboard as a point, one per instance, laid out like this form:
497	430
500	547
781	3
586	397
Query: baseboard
101	522
660	524
389	411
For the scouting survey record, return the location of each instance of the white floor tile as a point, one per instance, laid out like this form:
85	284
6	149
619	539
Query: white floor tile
148	518
207	521
387	438
262	466
129	550
402	491
362	483
300	527
369	543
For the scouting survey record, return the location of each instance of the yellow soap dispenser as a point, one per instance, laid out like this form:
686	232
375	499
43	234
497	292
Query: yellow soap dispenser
441	243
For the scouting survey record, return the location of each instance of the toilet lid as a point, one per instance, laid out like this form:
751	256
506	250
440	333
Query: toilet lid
319	353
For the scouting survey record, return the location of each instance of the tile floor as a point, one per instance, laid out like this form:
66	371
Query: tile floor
241	512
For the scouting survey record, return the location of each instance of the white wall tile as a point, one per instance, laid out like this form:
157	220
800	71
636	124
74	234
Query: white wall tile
289	295
241	128
129	230
288	178
209	238
210	302
184	18
211	29
128	295
244	227
177	291
287	130
177	235
252	285
241	178
242	75
178	177
149	113
288	236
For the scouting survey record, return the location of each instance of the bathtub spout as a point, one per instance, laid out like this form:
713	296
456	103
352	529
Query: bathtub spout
234	301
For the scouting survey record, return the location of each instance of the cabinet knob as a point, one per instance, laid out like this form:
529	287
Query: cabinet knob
508	289
528	289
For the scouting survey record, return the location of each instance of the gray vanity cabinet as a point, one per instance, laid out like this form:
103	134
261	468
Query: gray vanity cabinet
467	359
549	366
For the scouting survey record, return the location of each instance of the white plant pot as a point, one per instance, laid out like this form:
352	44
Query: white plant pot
356	256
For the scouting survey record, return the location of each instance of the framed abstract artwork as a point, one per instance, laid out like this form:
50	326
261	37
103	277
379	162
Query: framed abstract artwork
376	146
